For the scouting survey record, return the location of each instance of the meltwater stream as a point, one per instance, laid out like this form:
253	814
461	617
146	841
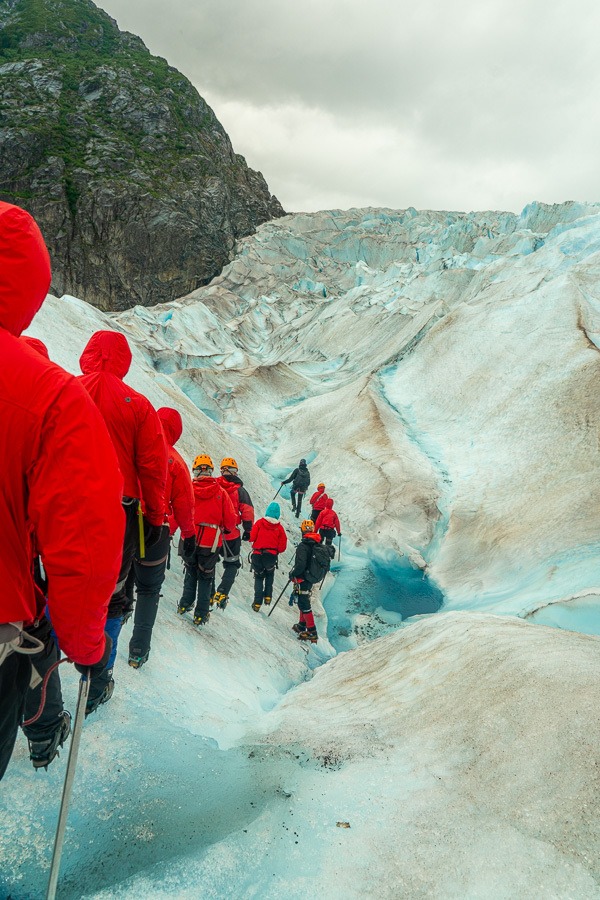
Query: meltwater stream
372	595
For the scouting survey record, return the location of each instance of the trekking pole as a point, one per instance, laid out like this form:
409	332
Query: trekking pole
279	598
277	494
340	548
84	686
141	532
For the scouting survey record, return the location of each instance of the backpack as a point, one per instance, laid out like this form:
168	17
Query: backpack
302	480
318	564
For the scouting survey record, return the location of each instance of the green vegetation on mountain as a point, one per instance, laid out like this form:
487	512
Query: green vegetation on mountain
132	177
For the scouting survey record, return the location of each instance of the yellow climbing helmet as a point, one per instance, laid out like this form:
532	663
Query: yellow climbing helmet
307	525
228	462
321	484
203	461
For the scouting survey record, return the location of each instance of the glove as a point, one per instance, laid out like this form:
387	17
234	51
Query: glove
246	536
152	533
189	548
98	667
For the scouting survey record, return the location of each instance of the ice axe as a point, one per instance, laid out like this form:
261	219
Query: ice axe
340	547
277	494
279	598
84	686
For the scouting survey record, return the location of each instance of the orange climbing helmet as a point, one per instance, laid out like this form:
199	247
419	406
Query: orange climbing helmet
228	462
202	463
307	525
321	484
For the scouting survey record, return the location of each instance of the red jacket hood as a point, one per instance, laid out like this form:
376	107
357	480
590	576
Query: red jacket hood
24	268
206	488
230	483
37	345
171	423
106	351
329	504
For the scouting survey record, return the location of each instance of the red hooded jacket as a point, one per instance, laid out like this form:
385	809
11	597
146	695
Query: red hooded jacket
59	475
179	494
213	509
131	420
241	502
319	499
269	535
327	518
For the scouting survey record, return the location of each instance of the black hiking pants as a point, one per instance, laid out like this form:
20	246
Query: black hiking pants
328	534
199	581
315	515
263	566
297	504
230	551
15	675
149	574
118	601
50	718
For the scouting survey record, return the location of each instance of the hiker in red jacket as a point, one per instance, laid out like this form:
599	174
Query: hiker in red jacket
138	439
268	539
59	481
232	542
327	523
318	501
213	516
149	573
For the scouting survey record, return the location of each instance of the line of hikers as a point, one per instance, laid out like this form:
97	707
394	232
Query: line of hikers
92	490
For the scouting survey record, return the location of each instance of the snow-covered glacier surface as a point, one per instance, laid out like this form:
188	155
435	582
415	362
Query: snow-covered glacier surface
438	370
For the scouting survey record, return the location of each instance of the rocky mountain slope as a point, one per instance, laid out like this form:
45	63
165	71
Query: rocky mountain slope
132	178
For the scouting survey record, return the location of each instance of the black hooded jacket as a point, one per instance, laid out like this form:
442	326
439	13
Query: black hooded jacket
300	479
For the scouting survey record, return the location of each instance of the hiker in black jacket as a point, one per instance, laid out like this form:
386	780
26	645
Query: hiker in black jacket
300	479
311	564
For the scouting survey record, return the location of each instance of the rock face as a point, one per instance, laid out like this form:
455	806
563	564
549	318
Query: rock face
133	180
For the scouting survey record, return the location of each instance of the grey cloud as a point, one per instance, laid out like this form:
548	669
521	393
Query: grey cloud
482	91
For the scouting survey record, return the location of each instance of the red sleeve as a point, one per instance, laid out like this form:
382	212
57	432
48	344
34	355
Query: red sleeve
229	514
319	519
254	532
151	464
336	523
182	496
246	509
282	542
75	491
313	498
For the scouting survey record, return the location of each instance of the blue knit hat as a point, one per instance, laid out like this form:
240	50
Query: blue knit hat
273	511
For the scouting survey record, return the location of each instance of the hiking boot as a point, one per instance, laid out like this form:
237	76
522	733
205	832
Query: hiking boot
201	620
308	636
256	607
267	601
220	600
92	706
298	628
41	753
182	609
137	658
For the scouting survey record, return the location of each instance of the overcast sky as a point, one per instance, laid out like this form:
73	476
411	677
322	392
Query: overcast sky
439	104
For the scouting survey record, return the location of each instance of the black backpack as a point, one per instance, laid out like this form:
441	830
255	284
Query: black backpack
318	564
302	480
